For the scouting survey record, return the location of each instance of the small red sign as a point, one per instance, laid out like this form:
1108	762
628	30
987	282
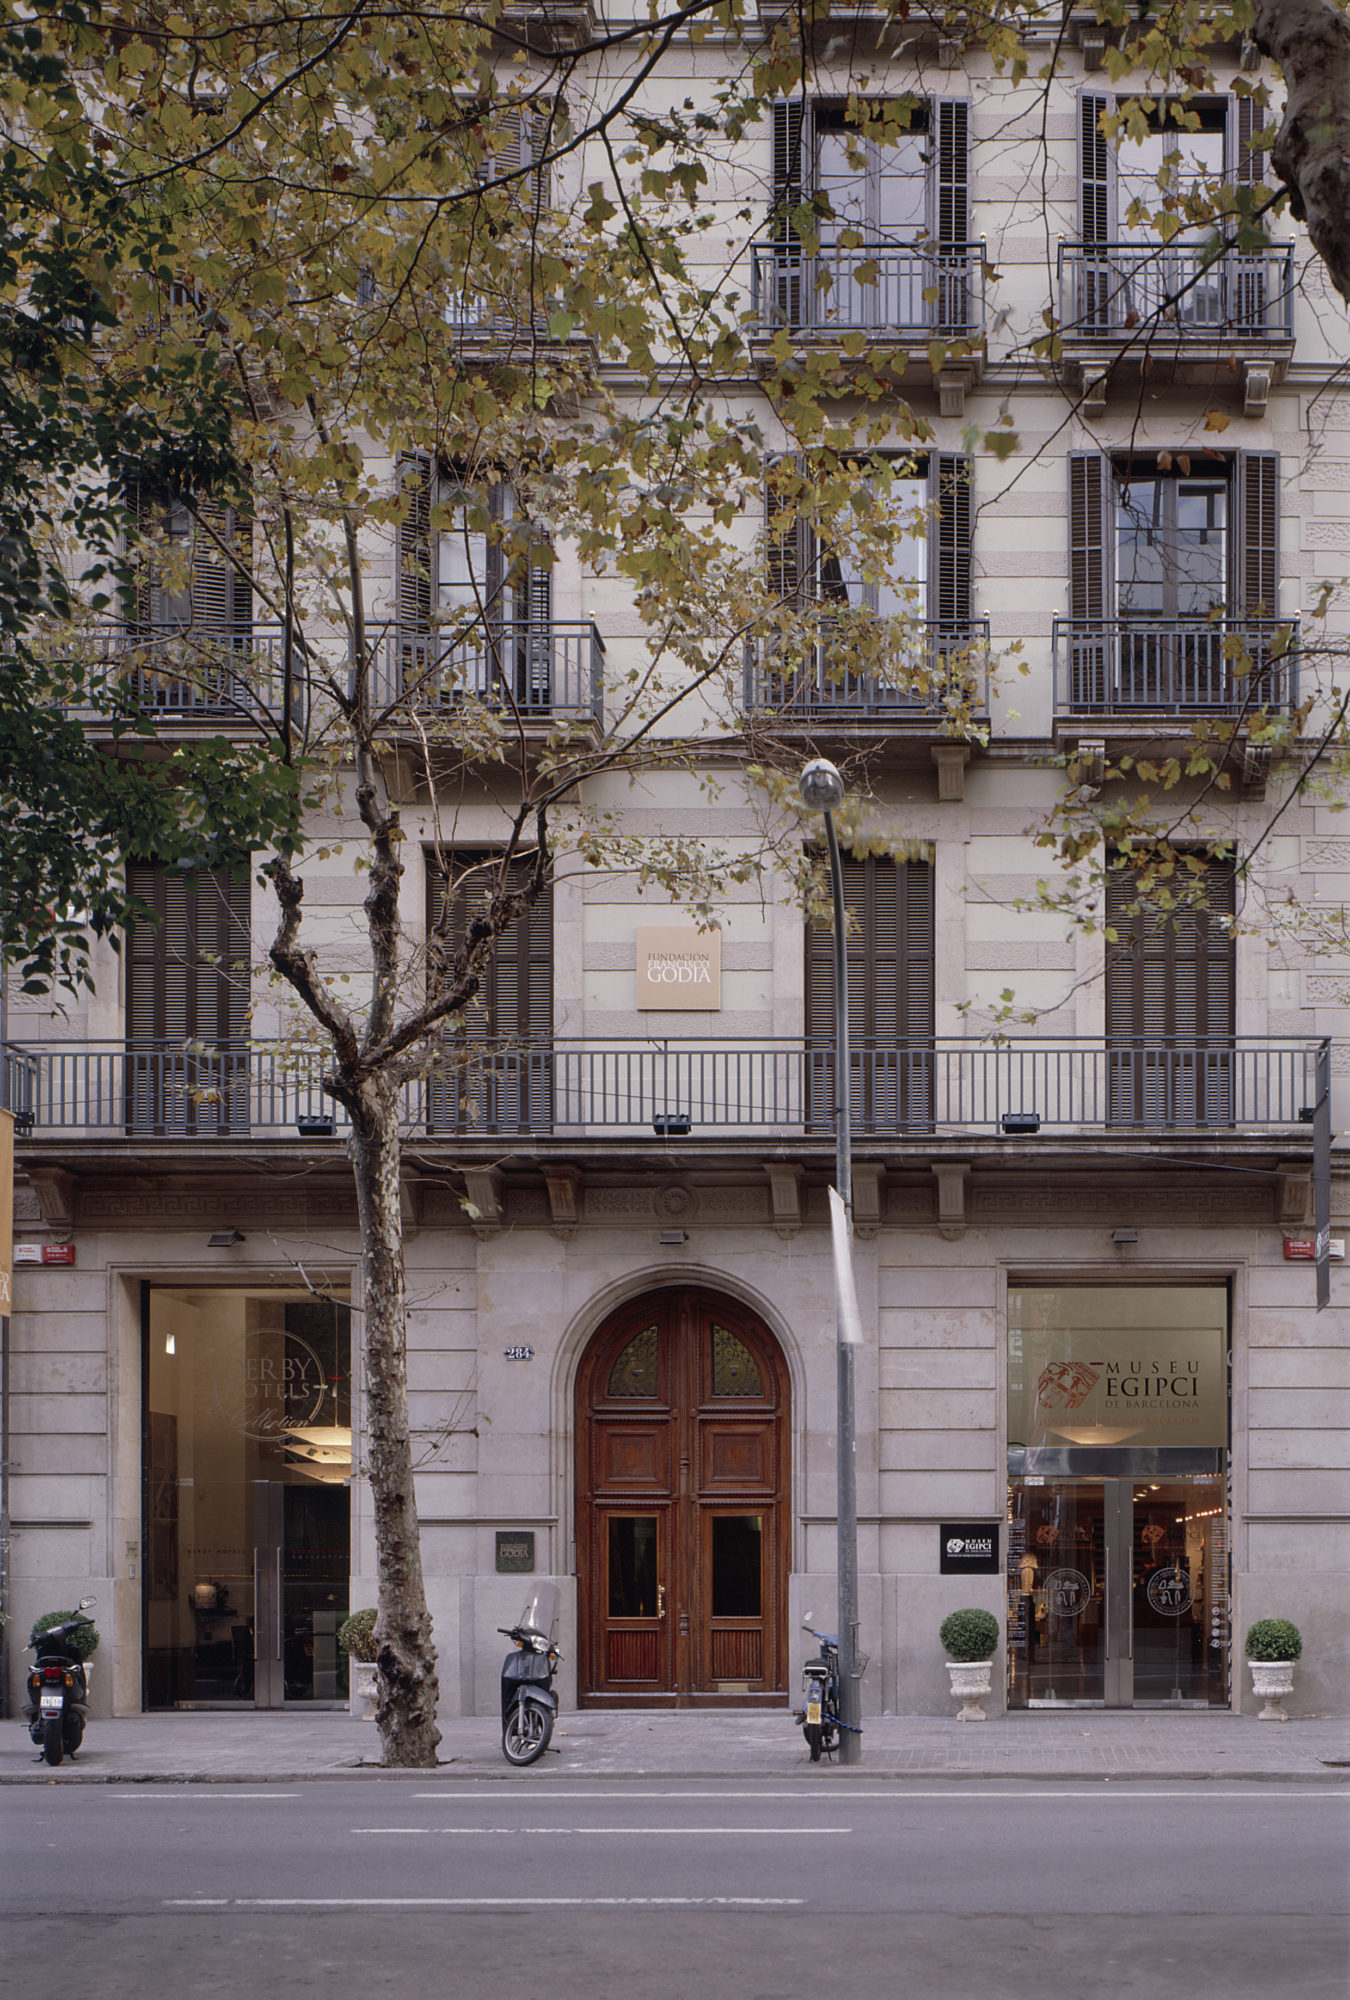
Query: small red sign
58	1253
1300	1249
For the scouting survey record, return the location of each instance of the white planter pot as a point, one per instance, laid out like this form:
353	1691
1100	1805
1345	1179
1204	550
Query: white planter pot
365	1688
970	1685
1271	1681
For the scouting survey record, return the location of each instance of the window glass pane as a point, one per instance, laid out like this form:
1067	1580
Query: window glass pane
1161	164
632	1566
634	1370
1201	537
737	1544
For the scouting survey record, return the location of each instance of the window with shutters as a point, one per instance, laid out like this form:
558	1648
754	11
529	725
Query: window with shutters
495	1066
187	995
933	659
516	179
870	217
474	591
1121	277
1173	587
890	997
1170	986
190	614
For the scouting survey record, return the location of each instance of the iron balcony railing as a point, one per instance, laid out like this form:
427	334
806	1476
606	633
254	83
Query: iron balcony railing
1108	291
547	670
194	673
1175	666
942	666
926	290
697	1088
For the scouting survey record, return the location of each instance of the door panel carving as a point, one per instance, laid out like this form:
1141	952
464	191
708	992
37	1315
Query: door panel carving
682	1458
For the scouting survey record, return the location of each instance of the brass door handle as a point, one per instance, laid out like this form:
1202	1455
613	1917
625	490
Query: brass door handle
660	1600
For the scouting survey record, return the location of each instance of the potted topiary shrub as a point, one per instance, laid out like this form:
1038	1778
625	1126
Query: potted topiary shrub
1273	1645
970	1640
356	1638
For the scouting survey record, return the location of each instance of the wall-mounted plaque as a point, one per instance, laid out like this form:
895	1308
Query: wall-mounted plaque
515	1549
968	1548
678	967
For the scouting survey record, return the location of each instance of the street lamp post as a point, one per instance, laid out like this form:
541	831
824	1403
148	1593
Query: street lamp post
822	791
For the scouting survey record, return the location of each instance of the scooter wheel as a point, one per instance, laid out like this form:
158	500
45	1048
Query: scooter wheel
813	1738
52	1747
526	1732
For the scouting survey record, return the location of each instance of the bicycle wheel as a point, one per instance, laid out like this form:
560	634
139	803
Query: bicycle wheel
525	1733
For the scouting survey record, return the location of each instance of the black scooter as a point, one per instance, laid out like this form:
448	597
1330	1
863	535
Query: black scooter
818	1717
58	1690
529	1705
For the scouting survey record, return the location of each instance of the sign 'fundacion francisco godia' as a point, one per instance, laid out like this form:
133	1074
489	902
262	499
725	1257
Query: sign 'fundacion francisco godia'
678	968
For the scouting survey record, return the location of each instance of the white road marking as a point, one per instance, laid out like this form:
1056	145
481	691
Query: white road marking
1190	1792
473	1902
512	1831
196	1792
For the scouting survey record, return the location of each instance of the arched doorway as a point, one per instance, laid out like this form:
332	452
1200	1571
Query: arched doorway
682	1514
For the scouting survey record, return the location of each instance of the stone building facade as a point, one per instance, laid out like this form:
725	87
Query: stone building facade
621	1344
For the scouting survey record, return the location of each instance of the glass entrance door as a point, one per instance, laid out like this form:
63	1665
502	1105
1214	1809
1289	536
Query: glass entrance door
246	1498
1117	1593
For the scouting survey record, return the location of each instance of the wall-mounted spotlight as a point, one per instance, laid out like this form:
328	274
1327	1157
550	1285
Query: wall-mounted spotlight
224	1239
1124	1235
672	1124
318	1125
1020	1124
674	1235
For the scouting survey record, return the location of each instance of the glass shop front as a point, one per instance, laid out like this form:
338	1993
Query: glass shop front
1118	1563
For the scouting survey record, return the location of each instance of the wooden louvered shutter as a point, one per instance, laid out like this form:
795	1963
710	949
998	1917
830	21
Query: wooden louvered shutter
1091	596
1256	535
952	202
949	539
790	565
212	589
1170	995
1254	302
416	568
1096	171
789	155
508	1087
146	508
188	984
890	996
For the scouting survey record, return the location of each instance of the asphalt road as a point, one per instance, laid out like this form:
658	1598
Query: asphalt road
739	1891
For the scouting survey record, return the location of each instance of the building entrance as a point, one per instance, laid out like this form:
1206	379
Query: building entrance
1117	1593
682	1470
247	1460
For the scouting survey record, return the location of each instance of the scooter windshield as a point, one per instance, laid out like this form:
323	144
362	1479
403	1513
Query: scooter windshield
541	1611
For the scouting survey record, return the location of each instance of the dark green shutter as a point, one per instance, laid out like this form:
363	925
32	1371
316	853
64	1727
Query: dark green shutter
1096	171
949	539
952	118
1256	534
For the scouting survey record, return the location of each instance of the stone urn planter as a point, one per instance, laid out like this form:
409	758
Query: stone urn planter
1273	1647
365	1688
970	1686
969	1639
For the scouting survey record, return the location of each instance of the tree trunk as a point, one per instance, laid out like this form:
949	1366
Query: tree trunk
406	1714
1310	41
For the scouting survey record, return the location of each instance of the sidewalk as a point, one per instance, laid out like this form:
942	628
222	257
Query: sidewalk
248	1748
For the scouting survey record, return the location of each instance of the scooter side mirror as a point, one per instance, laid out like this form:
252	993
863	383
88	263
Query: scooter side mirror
88	1603
806	1621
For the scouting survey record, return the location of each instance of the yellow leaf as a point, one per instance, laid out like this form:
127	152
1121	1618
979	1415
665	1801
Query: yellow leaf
1215	420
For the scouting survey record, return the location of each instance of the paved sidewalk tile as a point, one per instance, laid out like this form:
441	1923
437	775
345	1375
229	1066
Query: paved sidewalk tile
253	1748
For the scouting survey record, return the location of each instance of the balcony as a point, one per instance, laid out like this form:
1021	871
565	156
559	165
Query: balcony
223	676
544	672
945	666
1179	313
1143	671
909	298
93	1093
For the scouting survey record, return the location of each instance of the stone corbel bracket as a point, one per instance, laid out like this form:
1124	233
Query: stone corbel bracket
951	760
55	1189
951	1177
564	1200
483	1185
785	1188
867	1184
1295	1194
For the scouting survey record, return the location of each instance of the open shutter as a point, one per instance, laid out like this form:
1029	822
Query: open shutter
1096	170
212	590
789	155
416	578
146	508
1246	164
1091	593
509	1086
790	565
951	116
949	539
1256	535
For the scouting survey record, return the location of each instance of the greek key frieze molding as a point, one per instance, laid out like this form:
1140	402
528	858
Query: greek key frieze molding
244	1210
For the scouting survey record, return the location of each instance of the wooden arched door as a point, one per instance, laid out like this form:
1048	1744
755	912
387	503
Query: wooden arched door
682	1510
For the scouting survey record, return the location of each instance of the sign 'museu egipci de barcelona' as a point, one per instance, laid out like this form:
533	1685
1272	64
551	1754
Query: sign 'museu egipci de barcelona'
1151	1370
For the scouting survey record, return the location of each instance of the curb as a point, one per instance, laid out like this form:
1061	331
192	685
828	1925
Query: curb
1330	1775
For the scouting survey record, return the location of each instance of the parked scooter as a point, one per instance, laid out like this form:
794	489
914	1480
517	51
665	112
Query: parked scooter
819	1718
529	1705
58	1689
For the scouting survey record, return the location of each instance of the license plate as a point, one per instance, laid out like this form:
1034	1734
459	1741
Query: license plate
813	1711
53	1701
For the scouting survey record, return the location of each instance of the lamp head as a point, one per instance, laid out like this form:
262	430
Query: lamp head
820	786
